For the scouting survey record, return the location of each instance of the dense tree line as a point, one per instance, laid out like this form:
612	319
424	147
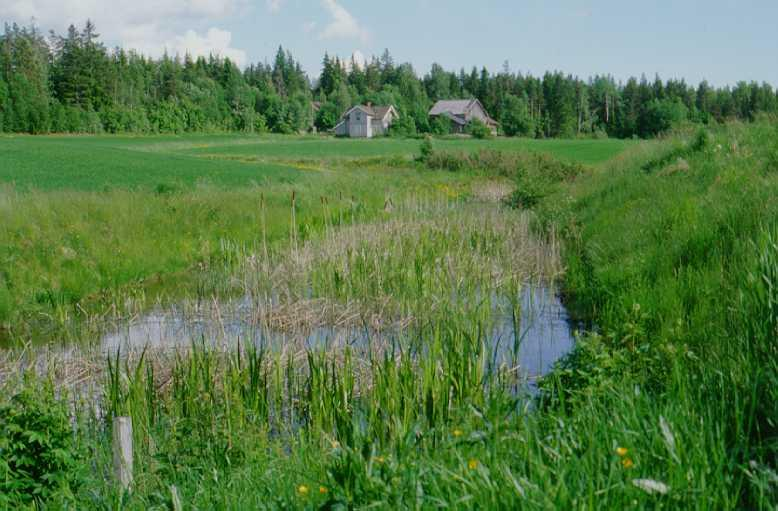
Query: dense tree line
73	83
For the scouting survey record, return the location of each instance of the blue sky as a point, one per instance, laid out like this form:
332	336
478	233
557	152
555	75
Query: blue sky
720	40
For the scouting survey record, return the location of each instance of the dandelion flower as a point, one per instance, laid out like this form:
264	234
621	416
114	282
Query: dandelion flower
323	490
627	463
472	464
621	451
458	433
303	490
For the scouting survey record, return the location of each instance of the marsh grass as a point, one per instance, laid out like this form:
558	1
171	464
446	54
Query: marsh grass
429	271
72	258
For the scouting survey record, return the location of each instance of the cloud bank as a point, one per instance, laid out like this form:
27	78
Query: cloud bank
148	26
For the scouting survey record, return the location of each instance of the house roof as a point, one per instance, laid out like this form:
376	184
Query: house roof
454	118
381	111
457	107
452	106
373	111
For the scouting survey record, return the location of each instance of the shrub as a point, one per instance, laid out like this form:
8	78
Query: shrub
506	164
39	455
440	125
426	150
538	176
447	161
477	129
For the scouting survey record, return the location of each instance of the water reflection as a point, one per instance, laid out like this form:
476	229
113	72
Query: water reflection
544	333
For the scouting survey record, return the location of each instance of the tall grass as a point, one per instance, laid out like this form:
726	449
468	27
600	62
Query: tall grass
71	257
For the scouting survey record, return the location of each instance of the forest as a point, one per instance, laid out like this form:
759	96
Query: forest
74	83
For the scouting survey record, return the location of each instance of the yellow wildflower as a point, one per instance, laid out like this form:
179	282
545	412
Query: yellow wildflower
379	459
303	490
472	464
323	490
458	433
627	463
621	451
335	444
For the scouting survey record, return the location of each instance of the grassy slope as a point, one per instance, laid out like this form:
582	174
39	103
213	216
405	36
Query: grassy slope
672	253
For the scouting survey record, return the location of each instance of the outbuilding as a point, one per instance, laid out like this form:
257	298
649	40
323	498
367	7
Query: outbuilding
460	112
366	121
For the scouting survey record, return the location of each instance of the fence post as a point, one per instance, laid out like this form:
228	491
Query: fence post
122	450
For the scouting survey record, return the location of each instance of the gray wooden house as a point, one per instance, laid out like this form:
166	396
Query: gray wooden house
366	121
460	112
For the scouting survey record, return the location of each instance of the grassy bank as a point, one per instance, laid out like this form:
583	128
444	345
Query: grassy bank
672	254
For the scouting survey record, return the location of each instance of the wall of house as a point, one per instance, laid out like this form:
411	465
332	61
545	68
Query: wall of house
381	126
477	113
341	129
457	128
359	125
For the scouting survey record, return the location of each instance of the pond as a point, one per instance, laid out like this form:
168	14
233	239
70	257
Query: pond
544	332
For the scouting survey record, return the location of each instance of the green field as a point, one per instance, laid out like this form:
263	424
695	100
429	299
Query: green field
97	163
666	253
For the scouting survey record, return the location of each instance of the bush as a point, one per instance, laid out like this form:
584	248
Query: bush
477	129
505	164
664	114
426	150
39	455
440	125
403	127
539	176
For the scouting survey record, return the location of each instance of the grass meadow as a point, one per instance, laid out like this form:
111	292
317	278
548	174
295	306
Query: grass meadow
665	252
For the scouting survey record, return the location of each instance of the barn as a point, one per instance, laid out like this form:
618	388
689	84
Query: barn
460	112
366	121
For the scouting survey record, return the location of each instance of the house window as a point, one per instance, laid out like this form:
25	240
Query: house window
359	118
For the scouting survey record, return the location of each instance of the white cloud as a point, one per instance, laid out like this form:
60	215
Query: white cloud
358	59
309	26
342	25
148	26
274	5
215	42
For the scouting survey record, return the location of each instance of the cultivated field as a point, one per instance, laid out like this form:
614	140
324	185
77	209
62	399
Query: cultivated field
315	323
96	163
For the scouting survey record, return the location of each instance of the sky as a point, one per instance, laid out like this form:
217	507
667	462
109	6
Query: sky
723	41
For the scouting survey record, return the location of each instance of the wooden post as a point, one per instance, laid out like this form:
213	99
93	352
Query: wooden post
175	498
122	450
